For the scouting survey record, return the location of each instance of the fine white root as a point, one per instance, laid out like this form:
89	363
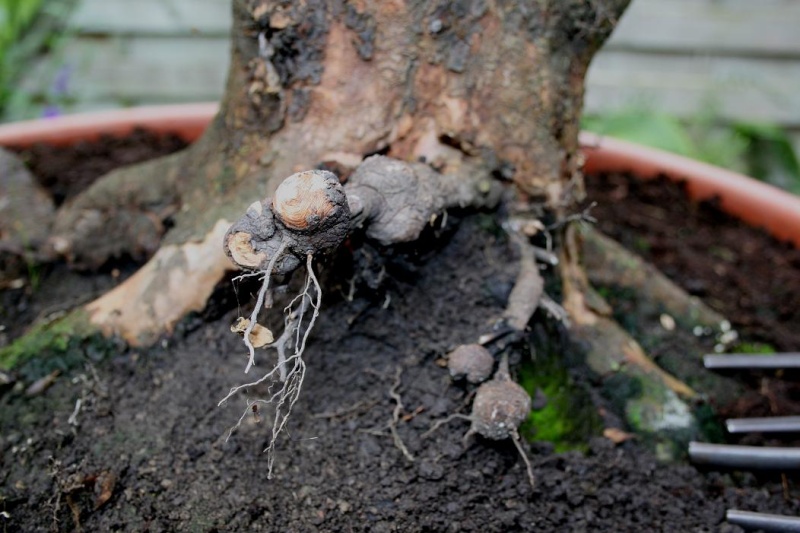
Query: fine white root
443	421
398	410
289	371
259	304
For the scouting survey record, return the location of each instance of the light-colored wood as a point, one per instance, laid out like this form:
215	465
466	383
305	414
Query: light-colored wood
734	88
738	27
153	17
135	70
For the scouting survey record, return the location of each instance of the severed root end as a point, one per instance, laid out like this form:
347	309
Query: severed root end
500	406
308	215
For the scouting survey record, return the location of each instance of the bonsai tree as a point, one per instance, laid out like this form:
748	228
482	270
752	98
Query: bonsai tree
461	99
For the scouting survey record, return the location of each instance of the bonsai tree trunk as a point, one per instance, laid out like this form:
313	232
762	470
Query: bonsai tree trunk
498	85
495	87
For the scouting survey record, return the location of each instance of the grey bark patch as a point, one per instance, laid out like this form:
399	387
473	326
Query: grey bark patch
299	104
26	209
363	24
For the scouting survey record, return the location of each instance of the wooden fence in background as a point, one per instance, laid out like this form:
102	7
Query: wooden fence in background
738	58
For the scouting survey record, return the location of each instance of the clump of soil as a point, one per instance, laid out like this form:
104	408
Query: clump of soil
146	449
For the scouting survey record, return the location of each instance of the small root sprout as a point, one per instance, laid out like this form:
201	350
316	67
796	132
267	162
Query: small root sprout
259	304
289	371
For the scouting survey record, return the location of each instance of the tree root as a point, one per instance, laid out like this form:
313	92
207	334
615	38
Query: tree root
122	213
609	264
393	200
288	371
517	440
26	210
655	402
177	280
396	412
528	289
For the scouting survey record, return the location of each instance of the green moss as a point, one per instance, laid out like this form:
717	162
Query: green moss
710	425
620	388
61	344
754	348
569	418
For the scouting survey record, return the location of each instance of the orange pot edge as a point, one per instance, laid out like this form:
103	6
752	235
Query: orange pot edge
757	203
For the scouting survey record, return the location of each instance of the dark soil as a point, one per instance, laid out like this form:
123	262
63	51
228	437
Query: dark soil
148	452
66	171
749	277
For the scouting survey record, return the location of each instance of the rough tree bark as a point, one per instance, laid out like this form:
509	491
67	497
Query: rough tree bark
496	84
490	85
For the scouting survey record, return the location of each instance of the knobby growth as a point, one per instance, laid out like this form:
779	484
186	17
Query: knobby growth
311	213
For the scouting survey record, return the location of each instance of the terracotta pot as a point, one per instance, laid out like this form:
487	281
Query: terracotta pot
755	202
186	120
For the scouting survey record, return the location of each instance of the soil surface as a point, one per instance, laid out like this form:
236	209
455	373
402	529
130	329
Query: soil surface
146	450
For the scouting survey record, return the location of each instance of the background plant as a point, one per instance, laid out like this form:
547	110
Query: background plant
28	28
763	151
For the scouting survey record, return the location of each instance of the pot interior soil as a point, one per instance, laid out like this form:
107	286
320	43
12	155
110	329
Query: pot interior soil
147	448
749	277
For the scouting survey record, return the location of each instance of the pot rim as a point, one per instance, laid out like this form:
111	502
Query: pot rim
757	203
188	121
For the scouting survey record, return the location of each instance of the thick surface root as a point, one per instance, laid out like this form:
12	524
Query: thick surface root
688	322
122	213
177	280
26	210
655	403
609	264
526	295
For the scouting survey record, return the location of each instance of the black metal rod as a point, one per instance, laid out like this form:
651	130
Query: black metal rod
772	424
771	523
740	360
745	457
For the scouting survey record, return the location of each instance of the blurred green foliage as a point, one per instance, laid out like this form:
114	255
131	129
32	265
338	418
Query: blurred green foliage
759	150
16	16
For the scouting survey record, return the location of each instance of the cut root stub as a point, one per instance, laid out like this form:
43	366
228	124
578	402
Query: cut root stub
470	361
499	408
308	215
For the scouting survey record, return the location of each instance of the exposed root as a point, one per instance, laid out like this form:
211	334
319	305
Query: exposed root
259	304
289	371
177	280
528	288
609	264
396	415
518	444
140	197
398	410
443	421
554	309
611	351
